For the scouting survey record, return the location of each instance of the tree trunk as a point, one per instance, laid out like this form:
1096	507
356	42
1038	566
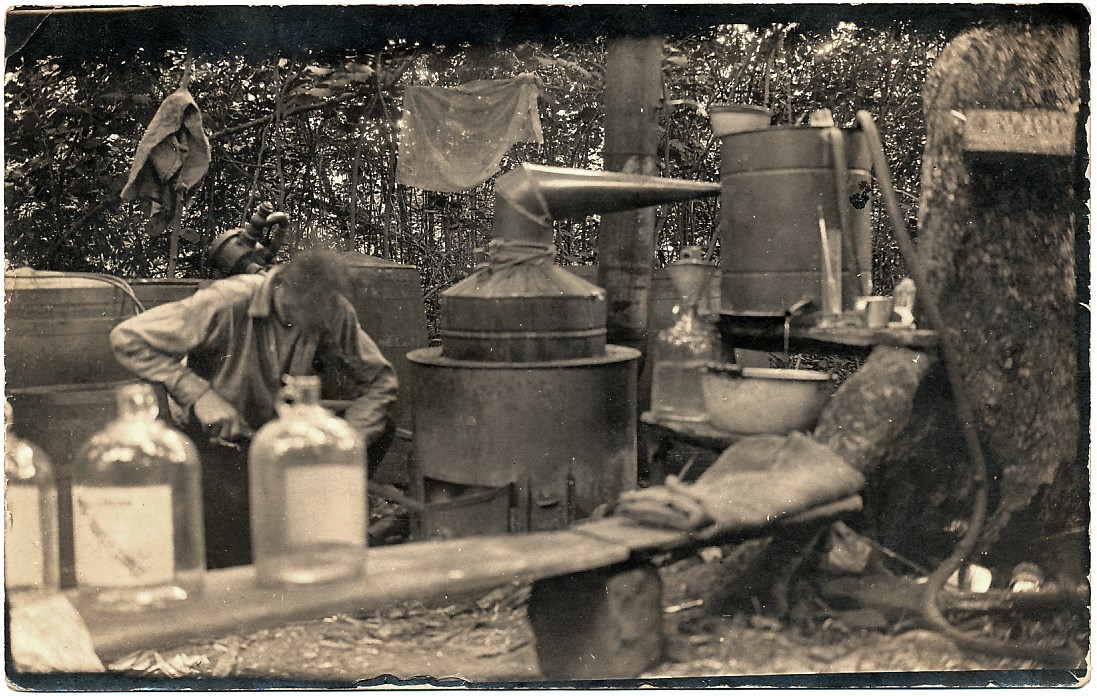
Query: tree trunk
626	240
997	240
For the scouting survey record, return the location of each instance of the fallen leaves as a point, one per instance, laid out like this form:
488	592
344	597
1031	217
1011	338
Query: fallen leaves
152	663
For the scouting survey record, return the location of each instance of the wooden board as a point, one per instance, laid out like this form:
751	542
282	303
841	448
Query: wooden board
864	336
702	434
1029	131
233	603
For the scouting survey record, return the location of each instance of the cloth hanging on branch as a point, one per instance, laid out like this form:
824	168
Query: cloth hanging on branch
453	138
172	157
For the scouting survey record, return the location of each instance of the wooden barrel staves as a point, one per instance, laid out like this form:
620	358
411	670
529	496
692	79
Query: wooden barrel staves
388	298
57	327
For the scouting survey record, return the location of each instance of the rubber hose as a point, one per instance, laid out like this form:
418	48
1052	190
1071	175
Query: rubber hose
928	301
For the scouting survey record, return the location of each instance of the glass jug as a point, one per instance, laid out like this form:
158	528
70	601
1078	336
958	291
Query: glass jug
31	561
137	509
680	352
307	479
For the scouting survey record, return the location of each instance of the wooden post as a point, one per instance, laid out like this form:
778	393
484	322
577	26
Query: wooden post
173	230
626	241
599	624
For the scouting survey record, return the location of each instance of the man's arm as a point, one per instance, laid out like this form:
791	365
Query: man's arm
152	344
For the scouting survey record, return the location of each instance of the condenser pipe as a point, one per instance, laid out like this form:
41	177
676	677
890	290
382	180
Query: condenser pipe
529	197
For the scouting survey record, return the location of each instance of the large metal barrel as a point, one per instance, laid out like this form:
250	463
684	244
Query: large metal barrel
60	419
775	181
57	327
562	433
388	298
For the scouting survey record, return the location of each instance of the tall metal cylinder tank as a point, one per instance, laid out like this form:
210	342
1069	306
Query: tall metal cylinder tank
776	181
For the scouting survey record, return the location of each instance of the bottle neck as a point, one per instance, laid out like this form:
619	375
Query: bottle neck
137	401
302	391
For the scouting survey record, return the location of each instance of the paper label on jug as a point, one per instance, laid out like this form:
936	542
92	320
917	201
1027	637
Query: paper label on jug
24	559
122	535
325	504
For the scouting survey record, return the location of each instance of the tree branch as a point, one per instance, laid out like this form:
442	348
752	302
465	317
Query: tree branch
327	103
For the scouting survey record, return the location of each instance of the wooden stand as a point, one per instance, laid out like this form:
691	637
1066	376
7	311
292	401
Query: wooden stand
602	624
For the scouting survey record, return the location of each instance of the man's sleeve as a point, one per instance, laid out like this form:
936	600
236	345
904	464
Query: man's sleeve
375	379
152	344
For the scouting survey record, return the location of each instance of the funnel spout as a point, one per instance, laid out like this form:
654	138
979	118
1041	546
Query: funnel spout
530	197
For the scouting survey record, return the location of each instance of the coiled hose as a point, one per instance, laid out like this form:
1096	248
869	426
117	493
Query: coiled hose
966	414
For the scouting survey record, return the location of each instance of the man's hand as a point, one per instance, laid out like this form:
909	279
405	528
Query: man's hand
219	419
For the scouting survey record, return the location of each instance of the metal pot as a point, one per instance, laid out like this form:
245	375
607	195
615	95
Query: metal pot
753	400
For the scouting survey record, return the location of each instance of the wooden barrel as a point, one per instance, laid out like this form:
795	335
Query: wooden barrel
523	313
57	327
388	298
153	292
60	419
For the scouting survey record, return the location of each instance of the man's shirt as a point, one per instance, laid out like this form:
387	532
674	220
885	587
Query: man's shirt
228	337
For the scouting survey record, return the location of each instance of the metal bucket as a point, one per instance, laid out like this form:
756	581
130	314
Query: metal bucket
60	419
774	183
57	328
563	433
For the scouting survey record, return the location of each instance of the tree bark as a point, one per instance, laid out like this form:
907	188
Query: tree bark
997	241
626	241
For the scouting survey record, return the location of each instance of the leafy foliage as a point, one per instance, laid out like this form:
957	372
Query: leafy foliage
319	138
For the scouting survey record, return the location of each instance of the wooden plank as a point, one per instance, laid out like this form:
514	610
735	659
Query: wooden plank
865	336
1029	131
748	334
702	434
232	602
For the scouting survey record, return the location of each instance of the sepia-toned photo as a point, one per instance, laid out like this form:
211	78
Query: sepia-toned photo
541	346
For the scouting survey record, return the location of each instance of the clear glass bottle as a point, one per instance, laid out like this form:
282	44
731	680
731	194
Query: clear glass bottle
31	557
678	358
307	479
680	351
137	509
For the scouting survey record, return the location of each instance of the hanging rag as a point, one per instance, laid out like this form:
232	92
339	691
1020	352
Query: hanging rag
172	157
754	483
453	138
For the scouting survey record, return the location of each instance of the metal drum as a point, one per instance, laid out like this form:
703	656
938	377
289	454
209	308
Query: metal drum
562	433
774	183
57	327
60	419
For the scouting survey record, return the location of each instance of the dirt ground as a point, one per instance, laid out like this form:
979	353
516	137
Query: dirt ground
488	640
